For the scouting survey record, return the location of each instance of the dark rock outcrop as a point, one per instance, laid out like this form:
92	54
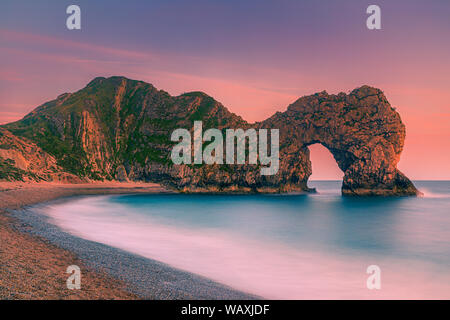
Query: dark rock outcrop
119	129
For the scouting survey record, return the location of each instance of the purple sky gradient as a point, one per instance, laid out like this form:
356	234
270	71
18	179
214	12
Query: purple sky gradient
254	56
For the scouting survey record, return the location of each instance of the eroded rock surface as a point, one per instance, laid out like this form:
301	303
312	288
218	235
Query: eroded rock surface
362	131
119	129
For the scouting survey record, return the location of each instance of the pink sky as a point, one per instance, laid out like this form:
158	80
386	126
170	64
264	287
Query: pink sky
36	67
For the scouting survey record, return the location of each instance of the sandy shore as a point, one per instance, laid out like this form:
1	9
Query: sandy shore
31	267
34	254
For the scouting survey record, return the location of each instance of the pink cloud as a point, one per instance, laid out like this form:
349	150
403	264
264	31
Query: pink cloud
34	39
7	117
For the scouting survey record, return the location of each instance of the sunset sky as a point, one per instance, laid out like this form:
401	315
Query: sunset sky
254	56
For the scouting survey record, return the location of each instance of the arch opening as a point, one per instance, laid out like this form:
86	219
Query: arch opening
326	174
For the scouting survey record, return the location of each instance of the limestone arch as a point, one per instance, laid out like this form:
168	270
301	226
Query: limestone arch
362	131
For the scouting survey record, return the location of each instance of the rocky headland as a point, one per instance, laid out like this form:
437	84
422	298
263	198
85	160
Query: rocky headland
119	129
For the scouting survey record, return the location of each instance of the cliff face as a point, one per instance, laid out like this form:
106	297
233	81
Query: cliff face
120	129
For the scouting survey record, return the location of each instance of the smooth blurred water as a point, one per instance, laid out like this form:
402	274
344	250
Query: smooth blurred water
283	246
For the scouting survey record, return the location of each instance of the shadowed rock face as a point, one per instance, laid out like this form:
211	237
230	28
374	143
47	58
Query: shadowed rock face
362	131
120	129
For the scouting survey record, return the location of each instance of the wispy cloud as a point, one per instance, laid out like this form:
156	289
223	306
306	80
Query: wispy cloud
41	40
252	97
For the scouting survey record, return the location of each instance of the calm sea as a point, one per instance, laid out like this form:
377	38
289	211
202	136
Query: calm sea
282	246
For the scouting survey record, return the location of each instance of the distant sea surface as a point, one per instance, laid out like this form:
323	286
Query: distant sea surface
315	246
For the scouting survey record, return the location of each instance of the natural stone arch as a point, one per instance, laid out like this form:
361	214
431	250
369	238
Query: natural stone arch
119	128
362	131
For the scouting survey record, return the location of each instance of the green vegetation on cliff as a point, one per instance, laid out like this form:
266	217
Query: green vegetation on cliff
115	121
117	128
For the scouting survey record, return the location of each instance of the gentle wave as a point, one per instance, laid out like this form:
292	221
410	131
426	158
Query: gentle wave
434	195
